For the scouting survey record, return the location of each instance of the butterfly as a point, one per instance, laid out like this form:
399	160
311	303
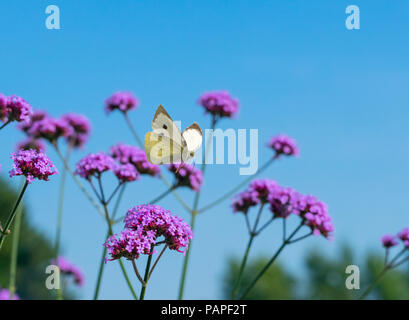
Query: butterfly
165	144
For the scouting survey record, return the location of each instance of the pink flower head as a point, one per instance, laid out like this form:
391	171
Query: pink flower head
244	201
314	214
31	143
389	241
18	109
80	129
283	145
5	295
125	154
156	221
4	110
129	244
50	129
263	188
219	103
404	236
187	175
94	164
122	101
32	165
67	268
282	201
36	116
126	173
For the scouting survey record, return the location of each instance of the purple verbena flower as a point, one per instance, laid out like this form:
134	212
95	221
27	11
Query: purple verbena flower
18	109
94	164
37	115
122	101
126	173
5	295
153	218
129	244
31	143
244	201
4	110
282	201
50	129
263	187
67	268
80	129
219	103
125	154
389	241
283	145
314	214
187	175
404	236
32	165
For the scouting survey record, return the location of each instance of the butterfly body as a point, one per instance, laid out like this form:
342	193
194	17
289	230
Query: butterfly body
166	144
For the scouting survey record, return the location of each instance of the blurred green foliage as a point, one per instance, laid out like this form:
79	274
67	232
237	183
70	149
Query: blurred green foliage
323	278
35	252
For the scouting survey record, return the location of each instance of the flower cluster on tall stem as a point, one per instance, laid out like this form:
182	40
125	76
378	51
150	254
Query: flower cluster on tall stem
14	108
402	256
31	165
146	227
283	202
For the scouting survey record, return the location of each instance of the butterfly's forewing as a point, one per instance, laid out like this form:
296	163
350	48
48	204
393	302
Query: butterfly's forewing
163	124
193	136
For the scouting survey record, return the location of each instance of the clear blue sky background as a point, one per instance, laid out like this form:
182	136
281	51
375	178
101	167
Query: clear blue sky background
294	67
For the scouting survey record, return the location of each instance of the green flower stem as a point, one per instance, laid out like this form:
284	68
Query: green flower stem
194	213
146	276
110	233
78	182
104	251
133	131
385	269
61	206
238	187
164	194
246	254
5	124
261	273
10	219
14	252
100	271
373	284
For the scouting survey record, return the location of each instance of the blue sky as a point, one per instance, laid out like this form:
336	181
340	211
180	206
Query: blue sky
294	67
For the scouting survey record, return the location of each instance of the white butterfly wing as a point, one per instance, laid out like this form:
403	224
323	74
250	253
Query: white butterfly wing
193	136
163	124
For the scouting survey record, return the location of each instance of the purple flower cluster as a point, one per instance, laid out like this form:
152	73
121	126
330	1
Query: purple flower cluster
219	103
32	165
67	268
14	108
74	128
187	175
5	295
144	224
126	173
126	154
94	164
284	202
80	129
122	101
283	145
389	241
31	143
